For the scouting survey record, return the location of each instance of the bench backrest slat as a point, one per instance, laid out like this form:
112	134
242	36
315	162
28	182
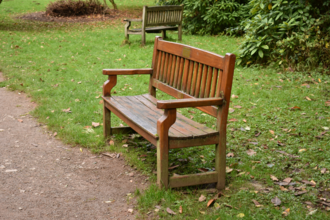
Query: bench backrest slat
162	15
187	72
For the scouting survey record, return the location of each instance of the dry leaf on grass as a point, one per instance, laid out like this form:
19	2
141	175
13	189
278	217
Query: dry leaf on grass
180	209
286	212
111	142
251	152
230	155
288	180
169	211
276	201
210	202
256	203
95	124
20	120
66	110
202	198
273	178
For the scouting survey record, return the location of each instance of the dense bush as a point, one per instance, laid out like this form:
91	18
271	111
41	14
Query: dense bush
75	8
290	33
209	16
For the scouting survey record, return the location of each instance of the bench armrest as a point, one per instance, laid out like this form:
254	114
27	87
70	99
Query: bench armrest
133	20
113	72
190	102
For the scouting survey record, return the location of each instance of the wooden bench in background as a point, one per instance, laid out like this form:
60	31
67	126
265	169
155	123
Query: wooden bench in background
157	19
195	77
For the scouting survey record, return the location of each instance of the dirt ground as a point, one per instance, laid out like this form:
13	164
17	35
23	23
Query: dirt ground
114	14
42	178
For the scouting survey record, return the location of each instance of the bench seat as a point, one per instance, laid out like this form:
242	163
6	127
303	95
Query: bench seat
152	29
140	112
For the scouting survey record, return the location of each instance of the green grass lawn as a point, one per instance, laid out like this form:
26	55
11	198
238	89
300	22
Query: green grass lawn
278	125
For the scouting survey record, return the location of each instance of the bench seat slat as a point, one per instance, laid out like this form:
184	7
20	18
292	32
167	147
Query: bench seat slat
142	112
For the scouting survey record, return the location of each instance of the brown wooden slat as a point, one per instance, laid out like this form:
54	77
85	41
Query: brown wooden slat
214	83
147	134
192	53
203	84
199	80
182	123
169	69
155	114
193	179
179	79
208	82
185	75
195	141
179	95
219	84
161	72
194	78
180	116
176	72
112	72
190	75
166	67
174	64
190	102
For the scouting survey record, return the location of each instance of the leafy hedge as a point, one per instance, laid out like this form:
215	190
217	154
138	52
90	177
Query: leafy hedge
209	16
291	33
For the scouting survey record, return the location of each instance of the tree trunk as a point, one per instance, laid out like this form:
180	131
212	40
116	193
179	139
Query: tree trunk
114	4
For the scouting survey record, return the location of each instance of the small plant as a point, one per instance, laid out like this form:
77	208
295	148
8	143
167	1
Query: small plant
68	8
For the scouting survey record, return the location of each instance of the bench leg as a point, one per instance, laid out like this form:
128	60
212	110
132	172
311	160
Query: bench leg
163	126
106	122
180	32
143	42
220	164
164	34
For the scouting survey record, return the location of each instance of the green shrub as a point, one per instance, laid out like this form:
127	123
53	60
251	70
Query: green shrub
290	33
209	16
75	8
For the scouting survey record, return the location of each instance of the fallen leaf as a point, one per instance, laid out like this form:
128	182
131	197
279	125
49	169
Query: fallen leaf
210	202
288	180
326	128
257	135
247	128
300	193
173	167
240	215
203	213
232	119
130	210
323	170
55	134
302	150
295	108
79	82
234	96
256	203
228	170
81	150
312	212
216	206
125	145
273	178
276	201
1	130
203	170
327	103
286	212
308	98
95	124
180	209
113	155
10	171
283	188
230	155
169	211
237	106
251	152
20	120
111	142
202	198
244	120
66	110
272	132
231	110
305	84
192	112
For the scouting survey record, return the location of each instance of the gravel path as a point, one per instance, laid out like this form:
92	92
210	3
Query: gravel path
42	178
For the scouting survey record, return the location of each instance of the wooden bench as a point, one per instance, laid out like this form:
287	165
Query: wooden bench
157	19
195	77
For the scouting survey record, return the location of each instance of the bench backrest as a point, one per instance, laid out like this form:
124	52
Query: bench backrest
187	72
162	15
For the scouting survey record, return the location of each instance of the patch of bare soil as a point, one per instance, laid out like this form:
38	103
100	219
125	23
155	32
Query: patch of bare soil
113	14
42	178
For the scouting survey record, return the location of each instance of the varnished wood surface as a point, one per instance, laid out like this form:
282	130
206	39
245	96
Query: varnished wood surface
143	112
127	71
185	103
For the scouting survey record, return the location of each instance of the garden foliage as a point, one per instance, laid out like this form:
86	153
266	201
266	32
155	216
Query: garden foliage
75	8
209	16
291	33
